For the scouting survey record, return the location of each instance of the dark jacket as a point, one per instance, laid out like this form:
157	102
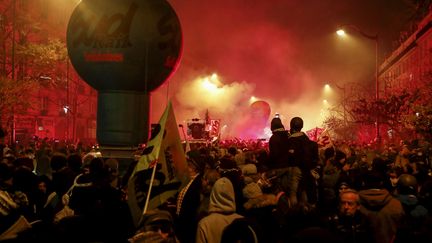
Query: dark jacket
259	213
278	150
384	212
414	220
351	229
303	152
187	211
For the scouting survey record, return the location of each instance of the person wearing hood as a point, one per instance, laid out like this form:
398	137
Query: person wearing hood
383	210
222	212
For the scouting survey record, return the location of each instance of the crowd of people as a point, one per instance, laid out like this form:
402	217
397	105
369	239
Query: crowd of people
287	190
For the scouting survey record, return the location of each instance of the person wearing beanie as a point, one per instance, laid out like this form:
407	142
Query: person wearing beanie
222	212
278	156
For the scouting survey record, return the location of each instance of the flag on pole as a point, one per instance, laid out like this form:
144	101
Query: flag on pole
161	171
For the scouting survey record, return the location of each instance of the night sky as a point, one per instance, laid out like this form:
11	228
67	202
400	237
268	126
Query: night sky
279	51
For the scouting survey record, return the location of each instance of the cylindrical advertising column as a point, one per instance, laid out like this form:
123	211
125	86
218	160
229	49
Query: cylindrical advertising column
123	117
124	49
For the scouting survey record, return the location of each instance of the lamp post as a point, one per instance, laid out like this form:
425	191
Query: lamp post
341	32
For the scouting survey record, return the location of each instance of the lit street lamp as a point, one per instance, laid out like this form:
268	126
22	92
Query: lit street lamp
341	32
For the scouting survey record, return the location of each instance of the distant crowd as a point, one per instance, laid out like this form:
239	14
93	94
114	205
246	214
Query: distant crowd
289	189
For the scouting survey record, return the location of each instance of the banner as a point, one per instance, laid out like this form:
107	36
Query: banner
314	133
161	170
324	140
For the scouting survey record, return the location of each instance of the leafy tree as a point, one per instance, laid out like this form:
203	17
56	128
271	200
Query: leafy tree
341	129
14	96
419	119
390	111
45	62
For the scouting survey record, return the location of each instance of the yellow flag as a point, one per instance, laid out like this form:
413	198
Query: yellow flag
165	151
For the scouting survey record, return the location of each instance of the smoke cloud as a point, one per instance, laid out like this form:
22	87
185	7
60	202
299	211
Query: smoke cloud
281	52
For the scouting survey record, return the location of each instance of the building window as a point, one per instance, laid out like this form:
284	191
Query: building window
45	103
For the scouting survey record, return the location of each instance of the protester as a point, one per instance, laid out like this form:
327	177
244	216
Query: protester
415	214
209	179
156	227
302	161
349	224
222	211
188	201
94	200
278	141
384	212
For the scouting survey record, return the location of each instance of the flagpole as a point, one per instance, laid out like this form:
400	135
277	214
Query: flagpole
149	191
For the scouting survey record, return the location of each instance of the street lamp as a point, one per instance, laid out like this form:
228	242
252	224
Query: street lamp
341	32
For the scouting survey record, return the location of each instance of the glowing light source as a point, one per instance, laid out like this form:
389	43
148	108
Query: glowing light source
340	32
208	85
65	109
214	77
252	99
327	88
211	84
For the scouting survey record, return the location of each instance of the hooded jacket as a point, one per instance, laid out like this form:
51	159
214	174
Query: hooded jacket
383	211
222	209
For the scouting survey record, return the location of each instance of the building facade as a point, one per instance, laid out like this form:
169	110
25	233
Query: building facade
410	65
62	106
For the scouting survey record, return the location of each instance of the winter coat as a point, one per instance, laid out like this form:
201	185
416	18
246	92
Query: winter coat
187	210
384	212
222	211
355	229
278	151
258	212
